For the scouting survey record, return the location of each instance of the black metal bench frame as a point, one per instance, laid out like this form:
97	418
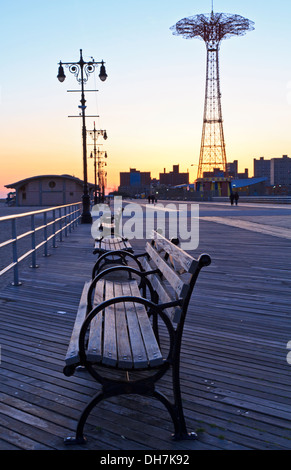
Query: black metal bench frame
120	257
156	309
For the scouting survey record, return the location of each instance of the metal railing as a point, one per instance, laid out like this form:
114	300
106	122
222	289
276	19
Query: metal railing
54	223
259	199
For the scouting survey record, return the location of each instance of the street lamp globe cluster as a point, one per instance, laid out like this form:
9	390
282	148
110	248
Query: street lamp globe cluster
82	70
90	67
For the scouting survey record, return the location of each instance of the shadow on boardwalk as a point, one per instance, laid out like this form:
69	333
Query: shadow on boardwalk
235	377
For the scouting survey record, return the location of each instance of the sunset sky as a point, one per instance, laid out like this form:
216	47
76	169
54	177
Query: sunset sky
152	102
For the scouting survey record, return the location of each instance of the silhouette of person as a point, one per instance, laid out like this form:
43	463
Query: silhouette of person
231	197
236	198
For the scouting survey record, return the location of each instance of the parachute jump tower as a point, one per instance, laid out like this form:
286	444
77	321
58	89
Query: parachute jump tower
212	29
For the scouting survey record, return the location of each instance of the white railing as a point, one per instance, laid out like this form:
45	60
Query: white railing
53	222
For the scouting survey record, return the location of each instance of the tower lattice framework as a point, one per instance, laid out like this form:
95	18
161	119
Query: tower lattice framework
212	28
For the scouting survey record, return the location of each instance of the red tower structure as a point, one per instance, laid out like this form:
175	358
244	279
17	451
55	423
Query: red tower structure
212	29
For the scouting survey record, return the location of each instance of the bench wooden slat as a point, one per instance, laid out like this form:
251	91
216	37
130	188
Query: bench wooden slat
154	354
118	245
107	244
123	345
174	313
178	255
109	339
164	296
176	282
139	355
94	349
112	244
72	356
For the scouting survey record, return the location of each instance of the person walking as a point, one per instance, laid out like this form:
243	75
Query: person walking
236	198
231	197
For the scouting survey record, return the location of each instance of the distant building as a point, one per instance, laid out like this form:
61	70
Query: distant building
48	190
174	178
262	167
276	170
135	181
243	175
280	171
232	168
232	171
215	173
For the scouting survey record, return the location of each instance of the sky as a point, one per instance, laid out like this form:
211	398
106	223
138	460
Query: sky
151	104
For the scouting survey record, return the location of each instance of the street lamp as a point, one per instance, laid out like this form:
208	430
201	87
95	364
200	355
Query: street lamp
81	70
98	174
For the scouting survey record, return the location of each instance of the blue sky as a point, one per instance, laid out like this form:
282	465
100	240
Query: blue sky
152	102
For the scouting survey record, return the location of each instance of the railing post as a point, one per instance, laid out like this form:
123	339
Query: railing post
61	231
66	226
79	215
45	234
54	229
33	255
16	281
70	218
74	217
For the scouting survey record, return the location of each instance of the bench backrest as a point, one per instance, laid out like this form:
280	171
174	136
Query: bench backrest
178	272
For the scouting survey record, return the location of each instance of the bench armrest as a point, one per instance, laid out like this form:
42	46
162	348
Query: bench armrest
122	253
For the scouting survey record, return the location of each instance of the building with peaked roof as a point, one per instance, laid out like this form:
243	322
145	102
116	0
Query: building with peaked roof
48	190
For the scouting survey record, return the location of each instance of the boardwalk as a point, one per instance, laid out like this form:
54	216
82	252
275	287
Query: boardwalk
235	376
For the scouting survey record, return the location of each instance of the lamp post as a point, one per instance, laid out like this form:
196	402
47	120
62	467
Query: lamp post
97	156
99	174
81	70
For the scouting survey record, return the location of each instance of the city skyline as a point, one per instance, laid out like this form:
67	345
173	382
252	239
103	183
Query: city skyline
233	170
152	102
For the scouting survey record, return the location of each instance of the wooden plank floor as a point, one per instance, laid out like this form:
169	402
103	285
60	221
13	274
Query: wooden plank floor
236	380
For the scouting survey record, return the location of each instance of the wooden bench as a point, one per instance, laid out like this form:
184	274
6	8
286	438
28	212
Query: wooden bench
112	225
108	244
128	331
111	250
111	246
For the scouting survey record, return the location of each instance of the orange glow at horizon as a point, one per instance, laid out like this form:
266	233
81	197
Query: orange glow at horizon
72	164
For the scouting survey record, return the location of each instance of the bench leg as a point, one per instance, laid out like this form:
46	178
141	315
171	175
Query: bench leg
80	438
177	416
181	432
175	409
